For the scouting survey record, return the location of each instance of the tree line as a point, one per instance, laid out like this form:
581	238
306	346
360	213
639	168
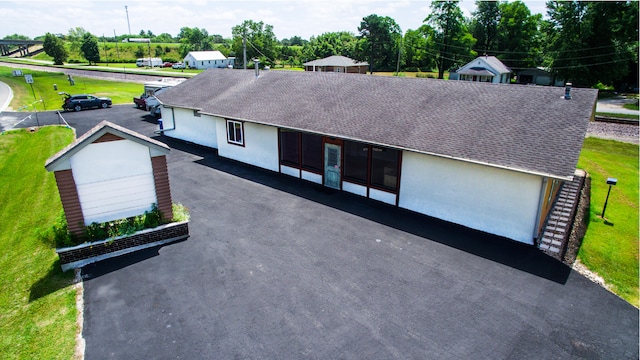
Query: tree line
582	41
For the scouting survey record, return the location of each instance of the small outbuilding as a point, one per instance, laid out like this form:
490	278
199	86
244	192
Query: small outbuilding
337	63
207	60
111	173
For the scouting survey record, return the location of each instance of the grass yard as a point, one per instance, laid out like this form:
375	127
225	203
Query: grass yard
615	115
37	303
610	246
119	92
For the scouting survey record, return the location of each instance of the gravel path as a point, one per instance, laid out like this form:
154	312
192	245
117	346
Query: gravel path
619	132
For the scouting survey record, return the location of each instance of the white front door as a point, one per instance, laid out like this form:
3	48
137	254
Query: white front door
332	166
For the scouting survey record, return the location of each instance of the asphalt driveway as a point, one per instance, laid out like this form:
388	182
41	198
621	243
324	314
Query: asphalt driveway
277	268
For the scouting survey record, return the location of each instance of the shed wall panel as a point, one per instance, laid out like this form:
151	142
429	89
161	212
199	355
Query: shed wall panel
117	198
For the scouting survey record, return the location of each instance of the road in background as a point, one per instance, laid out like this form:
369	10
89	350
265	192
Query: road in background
119	76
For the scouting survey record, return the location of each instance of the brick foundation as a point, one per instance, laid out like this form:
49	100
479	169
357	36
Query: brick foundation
80	255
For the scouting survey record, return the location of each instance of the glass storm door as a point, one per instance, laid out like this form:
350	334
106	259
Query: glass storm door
332	166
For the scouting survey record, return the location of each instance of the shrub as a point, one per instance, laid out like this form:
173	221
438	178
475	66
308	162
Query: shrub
180	213
111	229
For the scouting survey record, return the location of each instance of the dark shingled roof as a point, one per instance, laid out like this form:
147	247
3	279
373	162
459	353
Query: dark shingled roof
526	128
335	60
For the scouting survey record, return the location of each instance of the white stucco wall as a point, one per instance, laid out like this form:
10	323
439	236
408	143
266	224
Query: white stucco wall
493	200
313	177
385	197
198	130
354	188
290	171
260	145
114	180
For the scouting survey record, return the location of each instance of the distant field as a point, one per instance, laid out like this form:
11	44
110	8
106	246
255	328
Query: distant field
23	96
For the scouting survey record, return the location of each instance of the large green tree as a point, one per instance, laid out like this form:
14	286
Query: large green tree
331	43
54	47
75	37
193	39
518	36
484	26
89	48
414	49
260	42
453	46
380	42
591	42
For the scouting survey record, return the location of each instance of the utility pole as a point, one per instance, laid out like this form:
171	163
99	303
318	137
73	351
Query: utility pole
399	52
127	11
104	46
115	38
244	47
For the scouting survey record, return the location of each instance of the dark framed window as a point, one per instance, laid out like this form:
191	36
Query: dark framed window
356	161
384	167
311	152
235	132
290	147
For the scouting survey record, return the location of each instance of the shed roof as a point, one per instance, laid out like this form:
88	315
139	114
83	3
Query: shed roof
493	62
476	71
335	60
57	161
207	55
528	129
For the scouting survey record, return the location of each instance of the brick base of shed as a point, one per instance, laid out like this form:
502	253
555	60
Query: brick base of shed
84	254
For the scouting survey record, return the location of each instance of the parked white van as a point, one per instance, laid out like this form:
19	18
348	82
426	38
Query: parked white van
151	62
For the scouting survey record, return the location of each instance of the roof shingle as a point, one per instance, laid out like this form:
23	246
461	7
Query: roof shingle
527	128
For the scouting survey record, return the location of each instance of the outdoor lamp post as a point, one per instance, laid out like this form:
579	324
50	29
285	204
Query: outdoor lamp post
611	182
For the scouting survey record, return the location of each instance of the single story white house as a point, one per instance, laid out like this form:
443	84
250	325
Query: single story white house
337	63
207	60
488	157
483	69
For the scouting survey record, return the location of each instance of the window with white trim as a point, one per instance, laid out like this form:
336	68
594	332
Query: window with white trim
235	132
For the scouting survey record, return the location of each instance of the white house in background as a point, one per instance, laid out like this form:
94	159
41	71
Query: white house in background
488	157
207	60
337	63
483	69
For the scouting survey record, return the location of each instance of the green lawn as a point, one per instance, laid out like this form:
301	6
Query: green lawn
610	246
615	115
119	92
37	303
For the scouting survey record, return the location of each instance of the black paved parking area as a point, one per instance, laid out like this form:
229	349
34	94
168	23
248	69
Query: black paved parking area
278	268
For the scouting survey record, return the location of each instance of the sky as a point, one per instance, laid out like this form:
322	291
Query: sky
304	18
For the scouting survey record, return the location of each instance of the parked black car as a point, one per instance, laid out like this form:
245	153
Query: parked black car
84	101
